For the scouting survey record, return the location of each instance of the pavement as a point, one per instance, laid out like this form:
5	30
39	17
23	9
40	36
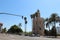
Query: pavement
18	37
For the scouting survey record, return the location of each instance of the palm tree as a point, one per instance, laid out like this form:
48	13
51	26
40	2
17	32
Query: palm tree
47	23
52	20
32	16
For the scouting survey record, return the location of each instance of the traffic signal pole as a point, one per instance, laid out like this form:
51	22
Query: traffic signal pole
25	18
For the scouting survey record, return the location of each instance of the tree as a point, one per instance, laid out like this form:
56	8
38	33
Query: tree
15	29
52	20
33	16
46	32
4	30
53	31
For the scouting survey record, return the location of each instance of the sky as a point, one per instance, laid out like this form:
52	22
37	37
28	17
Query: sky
26	8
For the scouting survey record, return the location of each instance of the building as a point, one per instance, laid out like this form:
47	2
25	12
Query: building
37	24
1	27
58	30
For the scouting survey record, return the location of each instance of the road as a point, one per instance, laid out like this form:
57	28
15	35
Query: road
18	37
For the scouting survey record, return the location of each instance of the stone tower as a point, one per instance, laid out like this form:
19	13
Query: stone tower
38	24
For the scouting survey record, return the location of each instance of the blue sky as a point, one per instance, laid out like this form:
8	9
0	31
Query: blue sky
26	8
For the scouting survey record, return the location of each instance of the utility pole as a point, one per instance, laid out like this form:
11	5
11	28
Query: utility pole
25	24
25	18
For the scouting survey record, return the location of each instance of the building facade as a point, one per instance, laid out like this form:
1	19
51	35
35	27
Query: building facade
58	30
38	24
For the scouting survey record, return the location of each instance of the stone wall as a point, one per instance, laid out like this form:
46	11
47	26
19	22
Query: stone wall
38	25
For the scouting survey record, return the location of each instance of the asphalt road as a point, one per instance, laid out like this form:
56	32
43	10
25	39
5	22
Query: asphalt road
18	37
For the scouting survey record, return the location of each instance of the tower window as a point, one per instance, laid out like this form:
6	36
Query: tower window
40	28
